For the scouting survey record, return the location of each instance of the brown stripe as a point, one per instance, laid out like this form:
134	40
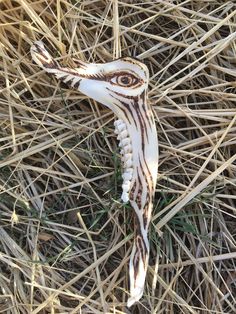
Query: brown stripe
124	108
77	84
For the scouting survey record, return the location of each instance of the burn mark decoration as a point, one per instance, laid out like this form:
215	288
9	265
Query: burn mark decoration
121	85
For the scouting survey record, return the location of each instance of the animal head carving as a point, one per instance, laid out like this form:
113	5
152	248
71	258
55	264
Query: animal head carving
121	85
124	78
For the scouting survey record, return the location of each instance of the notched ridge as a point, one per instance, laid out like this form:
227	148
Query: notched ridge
127	157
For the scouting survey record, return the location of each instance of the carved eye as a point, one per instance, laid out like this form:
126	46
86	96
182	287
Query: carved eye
125	80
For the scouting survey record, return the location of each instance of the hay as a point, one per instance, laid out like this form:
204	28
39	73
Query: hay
65	238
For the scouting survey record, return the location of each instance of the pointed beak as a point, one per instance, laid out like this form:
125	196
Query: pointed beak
86	77
42	57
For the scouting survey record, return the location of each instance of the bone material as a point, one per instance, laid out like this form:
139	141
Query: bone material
121	85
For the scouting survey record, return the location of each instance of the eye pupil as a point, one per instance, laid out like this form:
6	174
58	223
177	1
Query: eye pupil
125	80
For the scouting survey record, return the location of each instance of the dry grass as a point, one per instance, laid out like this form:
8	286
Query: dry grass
65	238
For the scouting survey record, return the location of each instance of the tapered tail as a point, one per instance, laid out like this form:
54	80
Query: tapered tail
140	253
138	268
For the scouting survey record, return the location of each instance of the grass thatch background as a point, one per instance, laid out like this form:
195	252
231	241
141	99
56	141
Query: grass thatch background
65	238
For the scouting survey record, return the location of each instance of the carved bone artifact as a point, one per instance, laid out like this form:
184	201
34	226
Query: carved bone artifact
121	85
